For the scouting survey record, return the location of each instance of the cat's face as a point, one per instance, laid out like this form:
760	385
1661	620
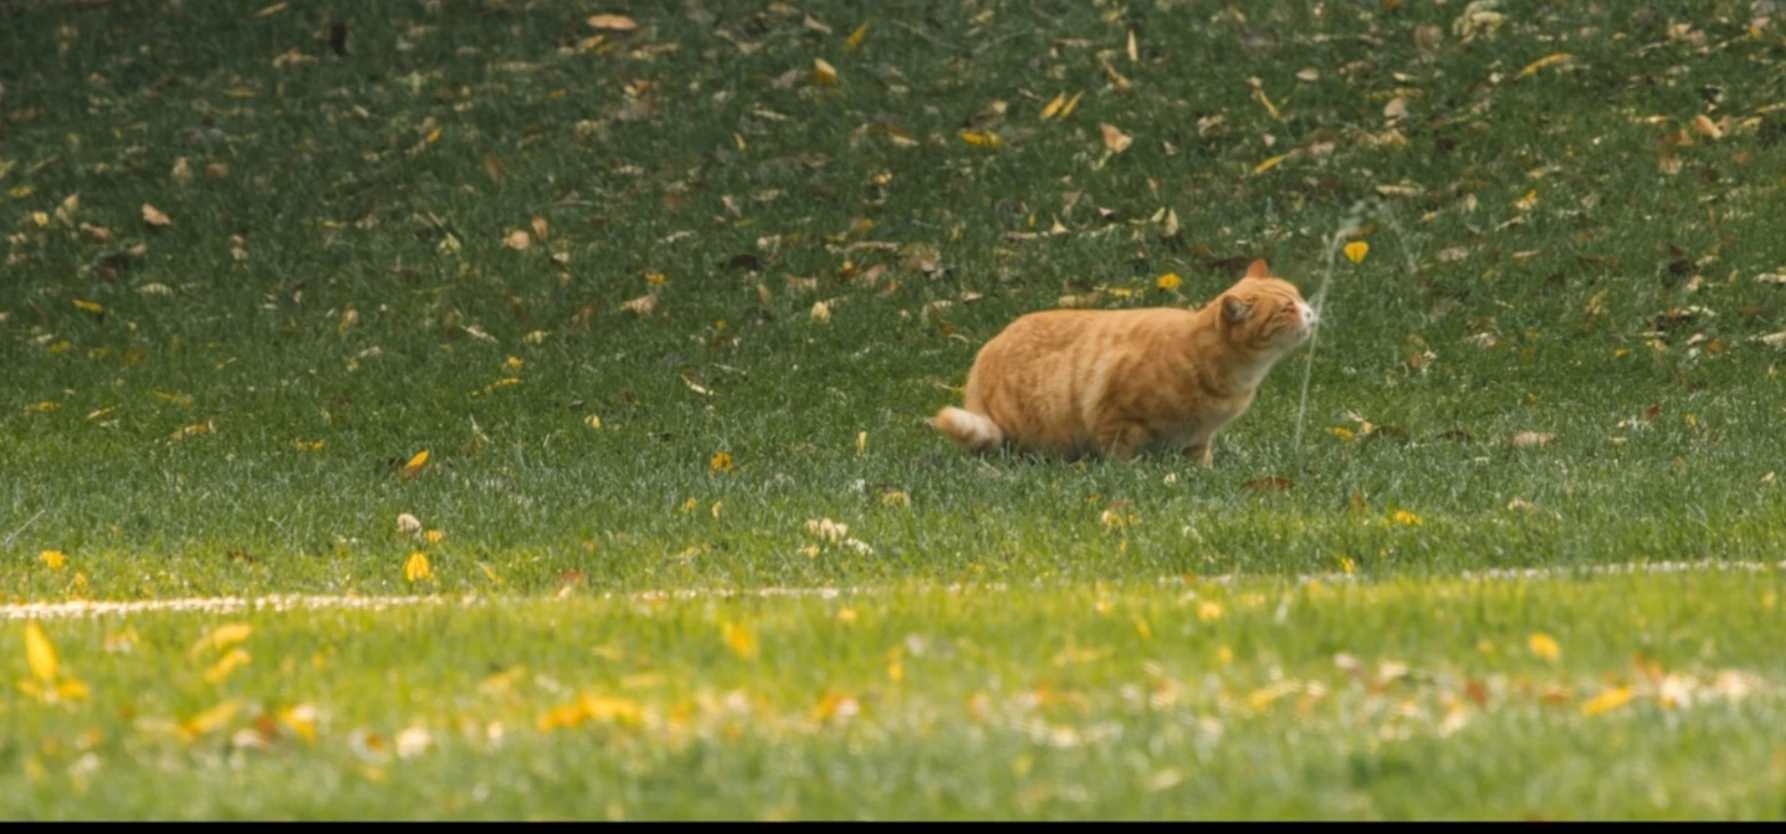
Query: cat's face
1266	314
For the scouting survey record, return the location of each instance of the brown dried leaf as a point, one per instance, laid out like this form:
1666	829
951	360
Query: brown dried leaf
1532	439
1115	140
154	217
643	305
1269	484
613	22
518	240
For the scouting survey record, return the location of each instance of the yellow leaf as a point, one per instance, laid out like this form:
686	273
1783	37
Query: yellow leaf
855	39
517	240
1266	100
307	446
1543	62
1072	104
1341	432
740	639
1269	164
823	73
55	559
39	654
1544	646
417	568
89	306
301	720
1607	701
210	719
271	10
416	463
613	22
589	707
721	462
1054	106
72	690
1356	250
433	136
1405	517
1209	611
221	637
1169	281
230	663
985	139
656	278
154	217
434	536
861	442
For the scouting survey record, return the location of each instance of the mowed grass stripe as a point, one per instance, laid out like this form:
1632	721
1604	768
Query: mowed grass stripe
1614	696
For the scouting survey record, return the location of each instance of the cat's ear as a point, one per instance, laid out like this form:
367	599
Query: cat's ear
1258	269
1235	311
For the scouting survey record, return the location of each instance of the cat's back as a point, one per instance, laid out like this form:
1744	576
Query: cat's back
1049	331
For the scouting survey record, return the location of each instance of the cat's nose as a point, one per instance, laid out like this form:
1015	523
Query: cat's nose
1309	319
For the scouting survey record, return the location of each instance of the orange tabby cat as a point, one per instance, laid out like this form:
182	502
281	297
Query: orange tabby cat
1078	382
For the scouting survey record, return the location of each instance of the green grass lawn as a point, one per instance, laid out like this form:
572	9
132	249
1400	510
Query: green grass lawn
660	301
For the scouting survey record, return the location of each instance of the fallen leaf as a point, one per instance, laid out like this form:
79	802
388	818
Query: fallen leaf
740	639
1356	250
518	240
613	22
1529	439
1270	484
154	217
221	637
643	305
823	74
40	655
226	666
413	466
1607	701
1543	62
417	568
1544	646
1115	140
983	138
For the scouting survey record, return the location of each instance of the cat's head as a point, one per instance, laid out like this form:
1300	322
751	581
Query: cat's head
1263	313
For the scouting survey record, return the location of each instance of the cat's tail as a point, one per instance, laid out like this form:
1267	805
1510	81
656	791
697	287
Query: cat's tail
973	431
